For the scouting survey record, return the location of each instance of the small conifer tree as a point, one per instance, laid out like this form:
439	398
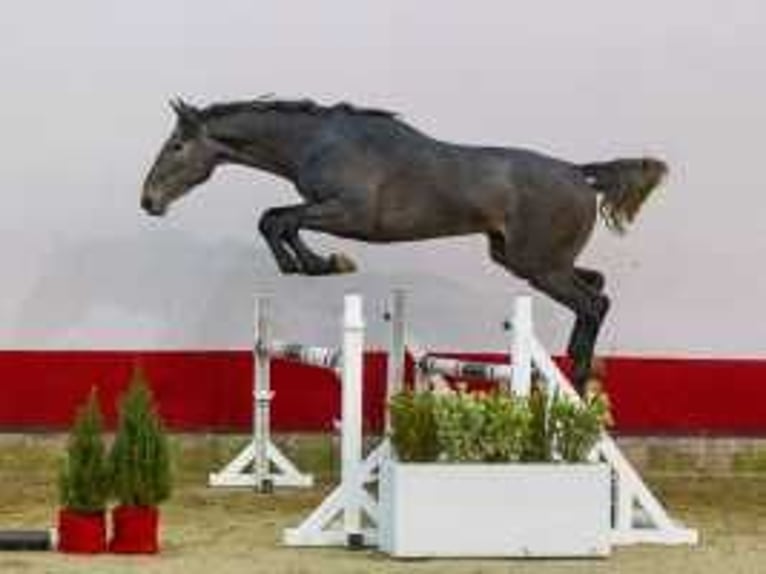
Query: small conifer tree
84	477
139	460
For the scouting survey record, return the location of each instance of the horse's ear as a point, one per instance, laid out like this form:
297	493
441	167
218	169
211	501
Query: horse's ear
189	117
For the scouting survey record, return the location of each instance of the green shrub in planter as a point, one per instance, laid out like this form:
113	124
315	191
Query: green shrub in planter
575	427
84	477
459	418
486	427
538	446
84	485
139	460
139	463
414	426
461	426
505	427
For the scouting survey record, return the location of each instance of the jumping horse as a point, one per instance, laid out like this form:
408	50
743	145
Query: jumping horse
365	174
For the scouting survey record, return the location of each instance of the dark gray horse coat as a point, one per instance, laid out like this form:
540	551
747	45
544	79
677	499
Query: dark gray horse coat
364	174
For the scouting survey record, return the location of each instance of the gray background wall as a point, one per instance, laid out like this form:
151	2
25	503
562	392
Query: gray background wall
84	86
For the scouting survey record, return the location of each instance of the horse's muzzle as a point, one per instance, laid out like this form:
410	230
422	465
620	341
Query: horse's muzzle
152	207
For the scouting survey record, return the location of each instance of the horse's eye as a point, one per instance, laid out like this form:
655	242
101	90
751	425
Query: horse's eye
176	146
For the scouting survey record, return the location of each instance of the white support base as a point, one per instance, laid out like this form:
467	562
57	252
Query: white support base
639	518
333	537
324	526
239	472
675	535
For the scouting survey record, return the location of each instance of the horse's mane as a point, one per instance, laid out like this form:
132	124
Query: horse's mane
288	106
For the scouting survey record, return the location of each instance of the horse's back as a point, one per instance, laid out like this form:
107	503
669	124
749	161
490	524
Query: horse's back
415	187
394	149
360	150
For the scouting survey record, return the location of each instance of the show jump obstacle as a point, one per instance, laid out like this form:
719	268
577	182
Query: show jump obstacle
349	516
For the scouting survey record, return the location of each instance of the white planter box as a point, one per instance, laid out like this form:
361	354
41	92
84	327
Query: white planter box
494	510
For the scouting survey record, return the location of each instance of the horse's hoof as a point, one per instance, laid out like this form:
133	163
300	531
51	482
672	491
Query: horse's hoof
289	269
342	264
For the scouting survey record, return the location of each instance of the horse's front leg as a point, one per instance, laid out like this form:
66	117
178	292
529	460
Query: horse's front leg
273	230
282	231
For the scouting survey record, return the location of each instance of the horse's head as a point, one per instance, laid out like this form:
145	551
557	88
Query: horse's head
186	159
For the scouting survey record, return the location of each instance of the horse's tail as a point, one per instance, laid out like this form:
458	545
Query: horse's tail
625	185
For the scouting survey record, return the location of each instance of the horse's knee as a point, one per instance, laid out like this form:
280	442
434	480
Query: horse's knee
267	224
274	224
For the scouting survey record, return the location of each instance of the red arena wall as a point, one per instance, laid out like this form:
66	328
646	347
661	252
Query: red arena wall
212	391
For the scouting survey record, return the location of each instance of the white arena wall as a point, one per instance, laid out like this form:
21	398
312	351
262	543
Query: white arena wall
85	87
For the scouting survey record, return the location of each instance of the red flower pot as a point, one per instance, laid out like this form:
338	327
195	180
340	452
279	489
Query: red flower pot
83	533
135	530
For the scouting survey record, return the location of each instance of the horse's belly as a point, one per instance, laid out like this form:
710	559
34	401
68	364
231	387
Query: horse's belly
418	233
415	220
436	209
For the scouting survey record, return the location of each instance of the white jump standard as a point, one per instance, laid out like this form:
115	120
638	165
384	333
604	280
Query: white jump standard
351	515
340	518
261	465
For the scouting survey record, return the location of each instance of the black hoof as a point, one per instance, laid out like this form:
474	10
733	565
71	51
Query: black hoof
289	269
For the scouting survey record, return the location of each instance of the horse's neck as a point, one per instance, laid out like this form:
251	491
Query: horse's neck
272	142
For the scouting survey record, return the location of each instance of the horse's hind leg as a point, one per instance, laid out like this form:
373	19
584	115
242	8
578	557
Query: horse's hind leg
590	308
595	281
579	289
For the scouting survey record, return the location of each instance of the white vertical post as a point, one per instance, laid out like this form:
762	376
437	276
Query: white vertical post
521	354
261	397
396	353
351	416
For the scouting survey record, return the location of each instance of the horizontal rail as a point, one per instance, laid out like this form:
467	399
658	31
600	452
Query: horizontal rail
469	369
328	358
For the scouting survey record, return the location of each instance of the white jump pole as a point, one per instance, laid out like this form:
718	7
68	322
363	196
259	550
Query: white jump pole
351	417
466	369
521	352
262	398
396	354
